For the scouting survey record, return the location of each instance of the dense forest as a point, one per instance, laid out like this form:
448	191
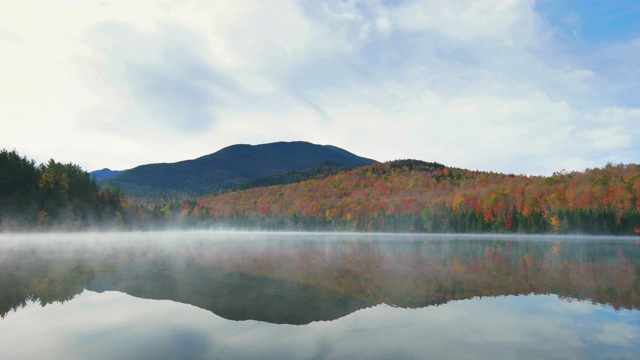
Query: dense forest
53	196
411	195
397	196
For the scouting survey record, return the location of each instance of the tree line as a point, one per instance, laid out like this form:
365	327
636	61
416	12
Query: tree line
397	196
414	196
53	195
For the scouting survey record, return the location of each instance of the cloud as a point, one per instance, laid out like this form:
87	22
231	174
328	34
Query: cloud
617	334
162	77
583	74
496	21
501	327
612	131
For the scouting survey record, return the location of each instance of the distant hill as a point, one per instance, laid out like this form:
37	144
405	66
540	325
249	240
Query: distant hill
104	174
418	196
228	168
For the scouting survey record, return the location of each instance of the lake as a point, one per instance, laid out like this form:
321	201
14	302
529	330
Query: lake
251	295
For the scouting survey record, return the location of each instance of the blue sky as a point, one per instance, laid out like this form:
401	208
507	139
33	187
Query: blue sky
592	23
525	86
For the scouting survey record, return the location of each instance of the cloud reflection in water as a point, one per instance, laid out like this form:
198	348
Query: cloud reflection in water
112	325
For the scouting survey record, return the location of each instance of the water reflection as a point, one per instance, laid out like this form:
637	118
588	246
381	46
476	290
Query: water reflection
113	325
299	278
359	296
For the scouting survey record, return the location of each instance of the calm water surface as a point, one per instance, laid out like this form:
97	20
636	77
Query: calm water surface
221	295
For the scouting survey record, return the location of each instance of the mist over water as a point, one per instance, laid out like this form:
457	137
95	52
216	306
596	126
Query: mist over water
318	295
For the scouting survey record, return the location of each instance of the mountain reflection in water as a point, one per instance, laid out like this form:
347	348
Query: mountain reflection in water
289	278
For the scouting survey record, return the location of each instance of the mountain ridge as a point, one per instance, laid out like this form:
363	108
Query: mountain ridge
227	168
104	174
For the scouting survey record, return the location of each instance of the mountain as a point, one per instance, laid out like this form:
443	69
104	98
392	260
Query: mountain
104	174
325	169
227	168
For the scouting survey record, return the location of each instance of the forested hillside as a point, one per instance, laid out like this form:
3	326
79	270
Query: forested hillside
227	169
321	171
413	195
53	195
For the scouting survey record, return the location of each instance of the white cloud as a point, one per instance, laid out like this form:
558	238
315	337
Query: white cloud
583	74
504	22
613	134
608	138
123	326
617	334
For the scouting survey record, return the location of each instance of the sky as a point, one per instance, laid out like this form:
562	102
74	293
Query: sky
525	87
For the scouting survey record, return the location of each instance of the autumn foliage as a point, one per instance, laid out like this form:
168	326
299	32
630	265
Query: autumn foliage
413	195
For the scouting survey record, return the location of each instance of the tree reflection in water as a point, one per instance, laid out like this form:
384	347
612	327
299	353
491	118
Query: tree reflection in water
300	278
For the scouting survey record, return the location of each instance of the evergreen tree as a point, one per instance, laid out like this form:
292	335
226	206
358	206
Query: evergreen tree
18	187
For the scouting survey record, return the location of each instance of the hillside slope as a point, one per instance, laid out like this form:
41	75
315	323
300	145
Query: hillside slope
417	196
227	168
